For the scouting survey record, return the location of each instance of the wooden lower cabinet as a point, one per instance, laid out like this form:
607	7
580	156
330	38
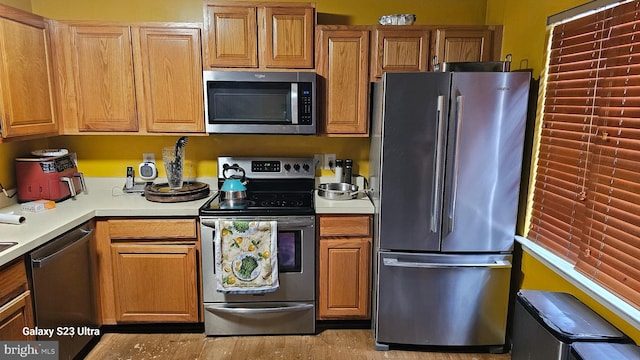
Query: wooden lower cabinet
148	271
16	308
344	280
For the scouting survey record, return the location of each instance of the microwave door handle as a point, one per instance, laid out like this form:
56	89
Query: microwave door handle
294	103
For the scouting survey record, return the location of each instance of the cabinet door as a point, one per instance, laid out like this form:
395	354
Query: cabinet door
155	282
401	50
26	87
343	63
344	280
16	315
103	75
453	45
231	36
288	37
170	98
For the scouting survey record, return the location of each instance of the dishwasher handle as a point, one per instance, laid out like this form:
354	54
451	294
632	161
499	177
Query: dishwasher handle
83	235
497	264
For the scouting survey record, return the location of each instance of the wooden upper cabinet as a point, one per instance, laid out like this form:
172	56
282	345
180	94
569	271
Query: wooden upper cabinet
259	35
343	65
170	95
102	61
124	78
455	44
232	37
288	34
400	48
26	75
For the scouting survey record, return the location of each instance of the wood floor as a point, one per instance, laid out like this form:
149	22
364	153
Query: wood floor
347	344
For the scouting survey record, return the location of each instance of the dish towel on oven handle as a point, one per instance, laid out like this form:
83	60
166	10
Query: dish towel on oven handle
246	254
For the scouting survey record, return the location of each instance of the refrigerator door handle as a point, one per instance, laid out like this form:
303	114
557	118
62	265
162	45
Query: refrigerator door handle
498	264
435	206
456	158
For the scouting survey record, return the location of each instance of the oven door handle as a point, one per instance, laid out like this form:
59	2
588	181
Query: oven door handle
255	311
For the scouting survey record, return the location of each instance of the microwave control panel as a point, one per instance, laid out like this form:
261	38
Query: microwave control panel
305	96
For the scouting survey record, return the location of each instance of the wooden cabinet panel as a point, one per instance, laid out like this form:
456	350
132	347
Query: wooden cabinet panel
288	37
148	270
344	280
26	76
16	308
344	267
102	61
233	36
15	316
129	78
454	45
171	96
345	225
153	229
400	49
155	283
259	35
13	281
343	64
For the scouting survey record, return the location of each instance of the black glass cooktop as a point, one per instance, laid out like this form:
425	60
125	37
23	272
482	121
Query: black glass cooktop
265	199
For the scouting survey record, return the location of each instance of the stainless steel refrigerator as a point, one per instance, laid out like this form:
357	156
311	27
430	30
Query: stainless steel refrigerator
445	164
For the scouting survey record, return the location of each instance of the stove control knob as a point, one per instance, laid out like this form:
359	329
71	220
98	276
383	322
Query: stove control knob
296	167
305	167
287	167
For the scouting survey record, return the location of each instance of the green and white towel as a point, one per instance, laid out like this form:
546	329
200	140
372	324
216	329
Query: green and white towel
246	256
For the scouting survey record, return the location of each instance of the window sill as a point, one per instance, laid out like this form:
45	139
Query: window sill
597	292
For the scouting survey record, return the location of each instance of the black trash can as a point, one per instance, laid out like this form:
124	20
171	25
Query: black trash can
604	351
546	323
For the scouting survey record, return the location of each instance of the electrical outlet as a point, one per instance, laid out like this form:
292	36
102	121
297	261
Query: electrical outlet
318	161
329	161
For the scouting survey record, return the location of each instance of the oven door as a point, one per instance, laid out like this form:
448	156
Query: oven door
296	261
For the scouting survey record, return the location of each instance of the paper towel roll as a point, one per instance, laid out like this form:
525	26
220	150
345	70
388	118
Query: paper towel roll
12	219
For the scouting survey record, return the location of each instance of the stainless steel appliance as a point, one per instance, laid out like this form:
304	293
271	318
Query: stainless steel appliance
446	153
278	189
48	177
260	102
63	293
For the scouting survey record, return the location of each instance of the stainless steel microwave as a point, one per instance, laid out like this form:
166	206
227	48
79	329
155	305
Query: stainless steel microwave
240	102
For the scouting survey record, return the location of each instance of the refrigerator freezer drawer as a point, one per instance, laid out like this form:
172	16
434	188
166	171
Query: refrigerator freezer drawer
442	300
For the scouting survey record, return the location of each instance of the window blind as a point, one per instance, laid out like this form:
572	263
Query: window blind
586	197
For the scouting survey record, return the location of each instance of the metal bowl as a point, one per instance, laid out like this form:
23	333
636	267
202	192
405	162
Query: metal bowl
338	191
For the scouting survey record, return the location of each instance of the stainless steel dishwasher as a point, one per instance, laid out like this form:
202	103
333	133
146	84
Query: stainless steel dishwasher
63	290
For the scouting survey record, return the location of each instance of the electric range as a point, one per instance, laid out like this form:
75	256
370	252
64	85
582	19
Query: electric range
281	190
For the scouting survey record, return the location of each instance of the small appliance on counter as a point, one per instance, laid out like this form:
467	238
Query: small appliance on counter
48	177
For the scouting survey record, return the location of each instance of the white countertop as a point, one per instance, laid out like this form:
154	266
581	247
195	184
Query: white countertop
106	198
353	206
361	205
103	198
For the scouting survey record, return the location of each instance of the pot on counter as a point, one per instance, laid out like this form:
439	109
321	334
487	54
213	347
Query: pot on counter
339	191
234	186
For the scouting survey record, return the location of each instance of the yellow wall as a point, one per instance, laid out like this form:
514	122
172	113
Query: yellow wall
20	4
354	12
